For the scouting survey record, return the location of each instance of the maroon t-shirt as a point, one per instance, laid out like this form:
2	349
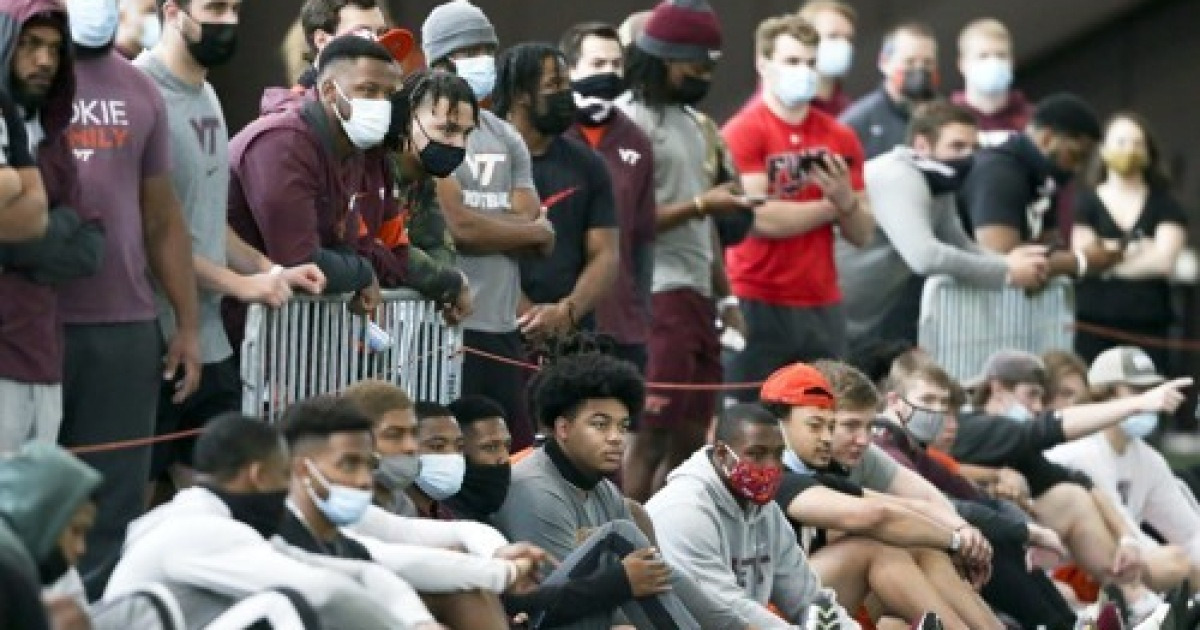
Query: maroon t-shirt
624	312
119	136
1014	116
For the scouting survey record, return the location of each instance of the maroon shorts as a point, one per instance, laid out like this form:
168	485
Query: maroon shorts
684	349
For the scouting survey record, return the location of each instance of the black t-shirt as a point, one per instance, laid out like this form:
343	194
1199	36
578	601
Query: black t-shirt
14	140
795	484
996	441
1109	301
576	191
297	534
1010	185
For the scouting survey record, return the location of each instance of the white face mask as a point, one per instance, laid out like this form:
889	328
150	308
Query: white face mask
369	119
834	57
151	30
93	22
479	72
441	475
793	85
990	76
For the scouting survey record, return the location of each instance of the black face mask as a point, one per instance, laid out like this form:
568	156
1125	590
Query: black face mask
918	84
606	86
692	90
263	511
949	177
440	159
53	566
484	487
217	44
558	114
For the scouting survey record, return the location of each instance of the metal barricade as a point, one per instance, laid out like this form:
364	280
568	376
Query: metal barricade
315	345
961	325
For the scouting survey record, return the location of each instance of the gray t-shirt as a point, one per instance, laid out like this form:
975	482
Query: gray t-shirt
683	255
876	470
497	163
200	177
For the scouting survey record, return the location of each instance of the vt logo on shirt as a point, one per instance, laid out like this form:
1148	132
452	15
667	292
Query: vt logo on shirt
629	156
483	171
206	129
483	166
98	125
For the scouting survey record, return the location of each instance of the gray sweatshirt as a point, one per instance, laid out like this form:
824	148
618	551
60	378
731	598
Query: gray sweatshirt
916	233
744	559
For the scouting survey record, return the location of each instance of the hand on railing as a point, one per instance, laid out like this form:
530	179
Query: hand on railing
307	277
367	299
1028	267
455	312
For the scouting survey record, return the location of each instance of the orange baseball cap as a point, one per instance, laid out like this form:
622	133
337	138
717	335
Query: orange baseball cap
799	385
399	42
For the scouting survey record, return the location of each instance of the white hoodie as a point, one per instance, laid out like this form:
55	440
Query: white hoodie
744	559
194	541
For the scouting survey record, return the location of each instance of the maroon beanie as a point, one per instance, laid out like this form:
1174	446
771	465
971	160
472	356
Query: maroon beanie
682	30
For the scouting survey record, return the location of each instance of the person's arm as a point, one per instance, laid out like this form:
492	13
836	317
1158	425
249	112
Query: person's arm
434	570
478	539
478	232
169	254
857	221
904	209
776	218
1083	420
602	261
867	516
26	215
1172	509
1156	258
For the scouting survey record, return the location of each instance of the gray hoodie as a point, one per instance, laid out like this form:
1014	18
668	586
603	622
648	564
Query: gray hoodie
743	558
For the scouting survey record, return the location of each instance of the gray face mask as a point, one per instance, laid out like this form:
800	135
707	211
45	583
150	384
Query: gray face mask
397	472
925	425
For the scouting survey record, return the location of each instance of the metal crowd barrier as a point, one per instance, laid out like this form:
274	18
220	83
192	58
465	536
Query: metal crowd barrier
961	325
315	345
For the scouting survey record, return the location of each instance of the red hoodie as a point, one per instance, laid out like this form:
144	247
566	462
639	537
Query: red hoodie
31	345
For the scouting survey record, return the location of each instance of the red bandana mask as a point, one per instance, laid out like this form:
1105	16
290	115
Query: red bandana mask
754	482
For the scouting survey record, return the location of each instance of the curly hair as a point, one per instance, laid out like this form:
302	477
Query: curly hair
566	383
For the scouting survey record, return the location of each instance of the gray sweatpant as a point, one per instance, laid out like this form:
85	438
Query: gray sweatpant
28	412
604	548
111	379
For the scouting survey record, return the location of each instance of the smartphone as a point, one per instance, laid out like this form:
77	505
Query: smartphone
754	200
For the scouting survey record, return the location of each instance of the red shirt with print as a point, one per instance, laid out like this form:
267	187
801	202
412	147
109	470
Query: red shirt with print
798	270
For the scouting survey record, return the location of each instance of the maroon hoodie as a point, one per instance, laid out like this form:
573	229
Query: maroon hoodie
31	345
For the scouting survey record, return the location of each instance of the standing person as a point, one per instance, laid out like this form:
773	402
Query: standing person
912	189
908	61
597	66
1130	207
559	293
42	247
669	72
493	212
985	59
809	168
202	36
114	348
836	22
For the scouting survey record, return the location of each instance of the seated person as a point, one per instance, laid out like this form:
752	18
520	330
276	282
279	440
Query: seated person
1136	477
719	526
486	442
332	451
211	542
901	556
395	430
440	452
561	501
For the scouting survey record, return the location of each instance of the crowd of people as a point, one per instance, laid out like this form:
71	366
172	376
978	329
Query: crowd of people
570	205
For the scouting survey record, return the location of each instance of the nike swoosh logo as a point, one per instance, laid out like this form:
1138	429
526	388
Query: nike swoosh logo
558	197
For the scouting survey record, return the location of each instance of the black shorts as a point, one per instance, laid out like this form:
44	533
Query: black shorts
220	392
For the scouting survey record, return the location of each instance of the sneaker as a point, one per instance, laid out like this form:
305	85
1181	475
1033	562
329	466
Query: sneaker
823	613
928	621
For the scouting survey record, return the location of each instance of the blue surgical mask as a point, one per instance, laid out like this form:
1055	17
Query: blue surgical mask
834	56
93	22
479	73
441	475
344	505
1140	425
990	76
793	85
1019	412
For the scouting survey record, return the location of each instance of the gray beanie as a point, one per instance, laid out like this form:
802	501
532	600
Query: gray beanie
453	26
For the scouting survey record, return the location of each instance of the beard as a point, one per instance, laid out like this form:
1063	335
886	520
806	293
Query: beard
30	98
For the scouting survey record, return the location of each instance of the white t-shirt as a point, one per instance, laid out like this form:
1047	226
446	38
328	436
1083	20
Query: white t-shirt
1141	482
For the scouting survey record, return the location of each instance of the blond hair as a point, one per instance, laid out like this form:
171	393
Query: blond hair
811	8
987	28
377	398
793	25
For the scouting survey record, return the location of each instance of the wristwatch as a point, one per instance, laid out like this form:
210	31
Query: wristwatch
955	542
